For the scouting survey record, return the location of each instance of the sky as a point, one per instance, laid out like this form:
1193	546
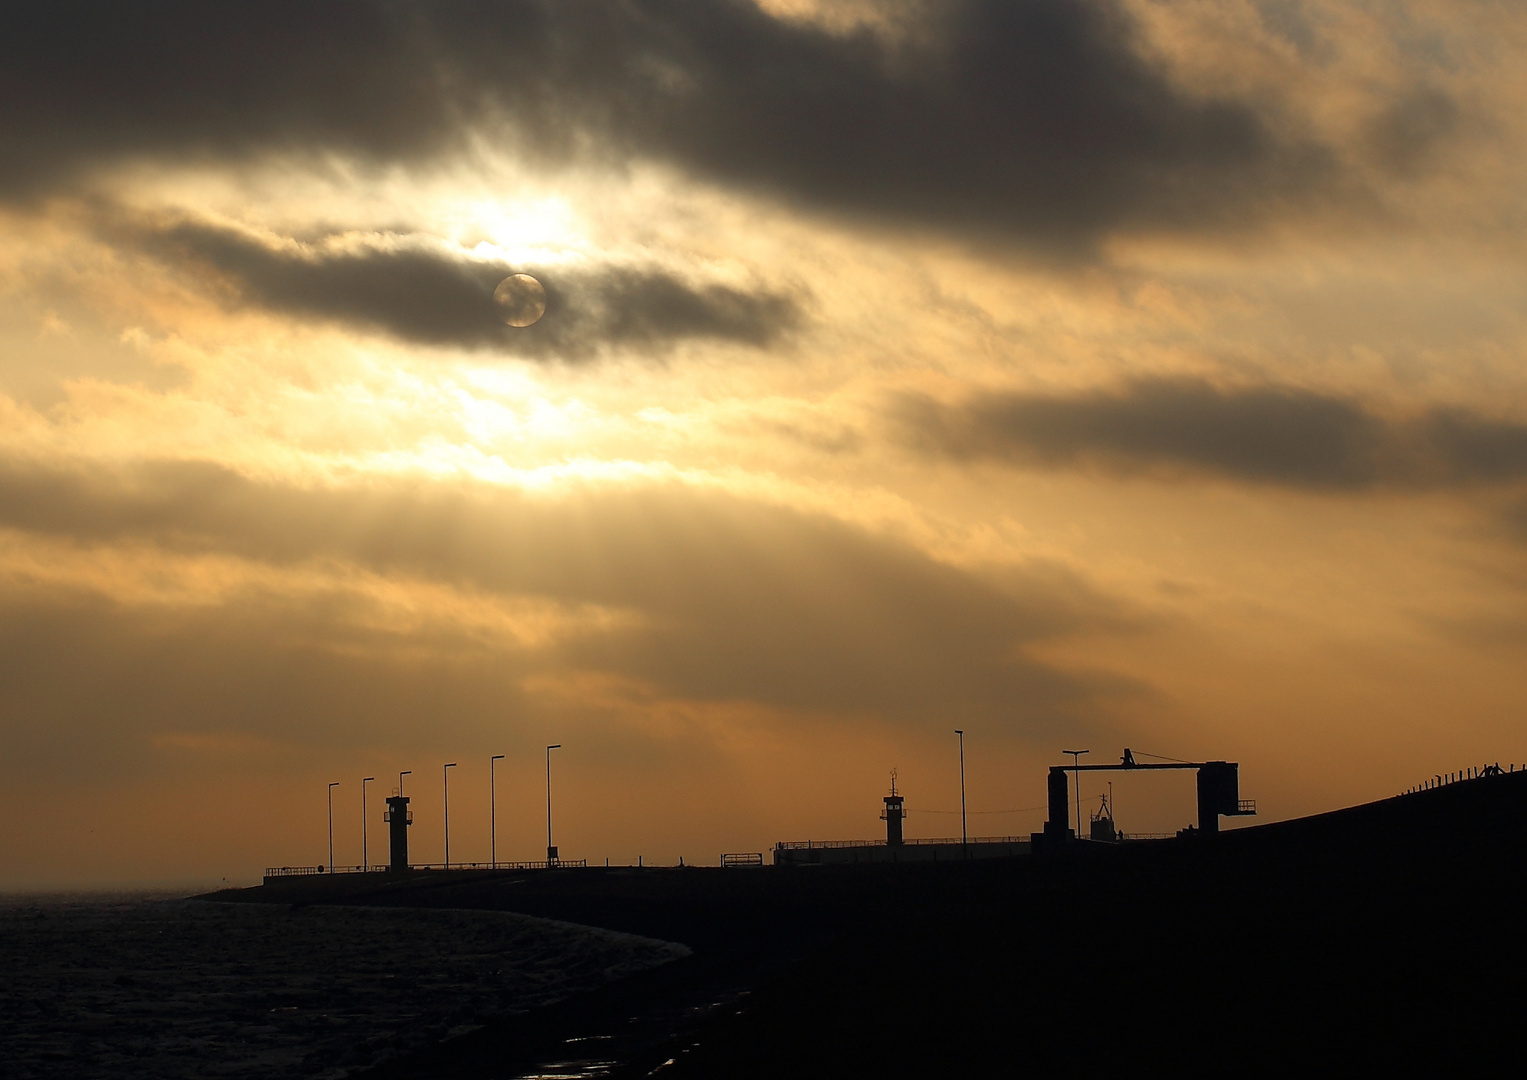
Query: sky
1074	373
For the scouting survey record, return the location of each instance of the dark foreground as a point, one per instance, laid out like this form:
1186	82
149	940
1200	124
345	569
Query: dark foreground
1384	937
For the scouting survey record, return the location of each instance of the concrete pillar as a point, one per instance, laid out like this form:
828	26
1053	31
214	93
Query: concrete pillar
1058	827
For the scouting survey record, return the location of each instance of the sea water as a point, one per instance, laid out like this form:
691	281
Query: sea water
130	986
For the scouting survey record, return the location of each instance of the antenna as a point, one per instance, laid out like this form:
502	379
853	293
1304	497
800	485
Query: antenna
893	781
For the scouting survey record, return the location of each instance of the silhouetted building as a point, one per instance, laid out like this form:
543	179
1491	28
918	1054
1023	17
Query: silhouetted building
1218	794
892	816
1103	828
1058	825
895	847
398	817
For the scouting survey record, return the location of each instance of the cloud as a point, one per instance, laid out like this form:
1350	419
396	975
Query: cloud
426	293
1038	121
721	600
1411	129
1511	520
1267	435
91	680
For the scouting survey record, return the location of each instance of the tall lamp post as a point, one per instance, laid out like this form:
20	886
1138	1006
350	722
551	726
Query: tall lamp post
551	851
446	772
964	831
1076	780
365	855
332	786
405	772
493	812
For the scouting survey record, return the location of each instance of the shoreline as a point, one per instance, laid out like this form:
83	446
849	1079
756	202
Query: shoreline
1323	938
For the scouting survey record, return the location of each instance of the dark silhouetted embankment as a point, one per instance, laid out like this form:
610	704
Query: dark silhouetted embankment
1382	937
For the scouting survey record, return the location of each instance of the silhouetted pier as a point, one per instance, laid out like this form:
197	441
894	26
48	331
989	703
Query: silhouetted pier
278	872
941	849
1376	938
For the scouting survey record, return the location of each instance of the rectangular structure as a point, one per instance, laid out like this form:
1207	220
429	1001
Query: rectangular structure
837	852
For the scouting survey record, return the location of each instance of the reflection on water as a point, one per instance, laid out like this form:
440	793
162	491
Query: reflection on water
578	1068
128	987
571	1070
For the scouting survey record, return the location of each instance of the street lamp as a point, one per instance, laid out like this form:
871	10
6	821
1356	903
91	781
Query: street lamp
405	772
332	786
365	855
1076	779
493	812
446	772
551	851
964	831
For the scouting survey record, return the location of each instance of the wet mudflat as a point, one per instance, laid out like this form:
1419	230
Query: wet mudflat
128	987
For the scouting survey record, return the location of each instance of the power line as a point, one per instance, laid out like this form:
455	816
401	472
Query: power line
1020	810
1162	757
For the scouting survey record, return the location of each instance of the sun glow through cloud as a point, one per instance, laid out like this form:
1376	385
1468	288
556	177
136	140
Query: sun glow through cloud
1167	392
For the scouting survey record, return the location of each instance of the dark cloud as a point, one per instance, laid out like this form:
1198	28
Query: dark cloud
1411	130
1037	120
726	599
90	681
92	81
1459	446
425	294
1271	435
1511	522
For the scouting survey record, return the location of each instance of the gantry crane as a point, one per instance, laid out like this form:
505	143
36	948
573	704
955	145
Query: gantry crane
1218	793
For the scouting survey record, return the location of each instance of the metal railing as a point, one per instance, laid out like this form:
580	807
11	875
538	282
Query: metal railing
1473	772
305	871
813	845
742	858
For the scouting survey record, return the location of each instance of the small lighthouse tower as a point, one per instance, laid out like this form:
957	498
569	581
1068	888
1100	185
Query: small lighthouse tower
893	815
398	817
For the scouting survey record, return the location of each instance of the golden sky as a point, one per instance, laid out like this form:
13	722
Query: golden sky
1073	372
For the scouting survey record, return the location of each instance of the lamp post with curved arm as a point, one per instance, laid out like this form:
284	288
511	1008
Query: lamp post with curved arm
446	773
493	812
332	786
365	854
1076	780
551	850
964	831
